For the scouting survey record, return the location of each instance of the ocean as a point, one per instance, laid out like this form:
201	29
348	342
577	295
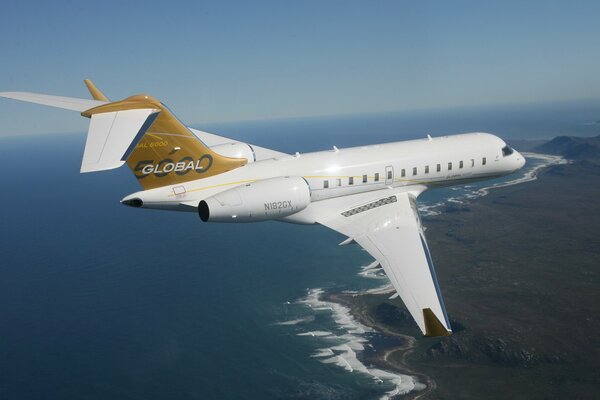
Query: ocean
98	300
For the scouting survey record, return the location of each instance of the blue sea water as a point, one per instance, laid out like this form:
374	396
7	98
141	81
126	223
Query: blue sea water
103	301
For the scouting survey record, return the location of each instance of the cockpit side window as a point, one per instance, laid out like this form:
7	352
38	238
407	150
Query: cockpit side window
507	151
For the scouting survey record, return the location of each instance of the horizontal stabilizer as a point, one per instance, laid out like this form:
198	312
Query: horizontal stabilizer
112	136
68	103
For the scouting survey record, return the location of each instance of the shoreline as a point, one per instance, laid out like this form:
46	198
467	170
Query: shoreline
382	361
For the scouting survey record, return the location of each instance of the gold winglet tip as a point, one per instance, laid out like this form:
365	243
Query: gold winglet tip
433	326
94	91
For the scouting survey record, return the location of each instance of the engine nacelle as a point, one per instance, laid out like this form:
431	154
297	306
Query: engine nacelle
262	200
236	150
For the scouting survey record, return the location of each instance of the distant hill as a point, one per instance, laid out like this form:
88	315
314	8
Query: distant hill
572	147
526	145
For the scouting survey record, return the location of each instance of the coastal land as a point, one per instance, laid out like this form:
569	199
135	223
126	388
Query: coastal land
519	271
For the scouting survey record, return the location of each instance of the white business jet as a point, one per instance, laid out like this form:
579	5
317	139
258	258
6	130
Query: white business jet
367	193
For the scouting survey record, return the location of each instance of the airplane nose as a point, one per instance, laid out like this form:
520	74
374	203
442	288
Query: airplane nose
520	160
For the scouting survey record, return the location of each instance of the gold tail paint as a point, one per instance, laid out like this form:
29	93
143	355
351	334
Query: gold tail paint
168	152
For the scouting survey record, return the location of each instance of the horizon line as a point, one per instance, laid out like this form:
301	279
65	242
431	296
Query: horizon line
350	114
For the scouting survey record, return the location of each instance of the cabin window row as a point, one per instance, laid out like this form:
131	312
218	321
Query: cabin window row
438	167
365	178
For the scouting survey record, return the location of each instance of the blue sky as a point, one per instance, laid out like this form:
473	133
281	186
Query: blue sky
231	61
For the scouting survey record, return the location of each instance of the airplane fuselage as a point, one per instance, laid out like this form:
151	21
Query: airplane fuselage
429	162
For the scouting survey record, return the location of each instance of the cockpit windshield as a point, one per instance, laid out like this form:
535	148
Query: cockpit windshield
507	151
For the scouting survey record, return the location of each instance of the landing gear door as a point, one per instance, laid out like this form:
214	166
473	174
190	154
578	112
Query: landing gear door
389	175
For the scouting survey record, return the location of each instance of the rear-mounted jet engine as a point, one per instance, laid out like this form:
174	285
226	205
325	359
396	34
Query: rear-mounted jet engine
262	200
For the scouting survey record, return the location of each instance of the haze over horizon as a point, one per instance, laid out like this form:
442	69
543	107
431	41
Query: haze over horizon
234	61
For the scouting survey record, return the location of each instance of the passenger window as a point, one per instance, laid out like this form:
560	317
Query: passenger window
483	161
389	175
427	169
449	166
414	170
460	164
403	172
376	176
364	179
351	180
339	181
439	167
325	184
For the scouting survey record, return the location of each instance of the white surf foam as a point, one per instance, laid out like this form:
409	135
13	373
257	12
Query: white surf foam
385	289
351	342
316	333
372	271
529	175
373	274
429	210
326	352
295	321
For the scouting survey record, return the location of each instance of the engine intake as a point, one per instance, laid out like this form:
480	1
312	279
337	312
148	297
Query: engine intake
262	200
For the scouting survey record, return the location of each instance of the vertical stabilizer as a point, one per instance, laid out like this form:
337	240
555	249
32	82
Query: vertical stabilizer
162	151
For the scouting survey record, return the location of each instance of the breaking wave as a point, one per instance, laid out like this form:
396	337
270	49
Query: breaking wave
384	289
316	333
295	321
372	273
342	349
429	210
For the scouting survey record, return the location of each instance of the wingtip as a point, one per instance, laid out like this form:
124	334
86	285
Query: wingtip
433	326
94	91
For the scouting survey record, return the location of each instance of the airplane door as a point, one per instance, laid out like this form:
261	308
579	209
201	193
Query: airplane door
389	175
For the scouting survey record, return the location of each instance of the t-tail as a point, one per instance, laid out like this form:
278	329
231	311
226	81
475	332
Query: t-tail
142	132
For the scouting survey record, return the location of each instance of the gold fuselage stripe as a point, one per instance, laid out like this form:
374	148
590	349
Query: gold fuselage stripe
307	177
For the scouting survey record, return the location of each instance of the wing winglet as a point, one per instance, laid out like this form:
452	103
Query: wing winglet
433	326
94	91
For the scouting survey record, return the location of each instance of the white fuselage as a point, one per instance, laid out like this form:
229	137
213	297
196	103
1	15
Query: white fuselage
429	162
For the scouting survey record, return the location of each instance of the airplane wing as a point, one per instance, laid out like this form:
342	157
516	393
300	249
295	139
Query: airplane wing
388	226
